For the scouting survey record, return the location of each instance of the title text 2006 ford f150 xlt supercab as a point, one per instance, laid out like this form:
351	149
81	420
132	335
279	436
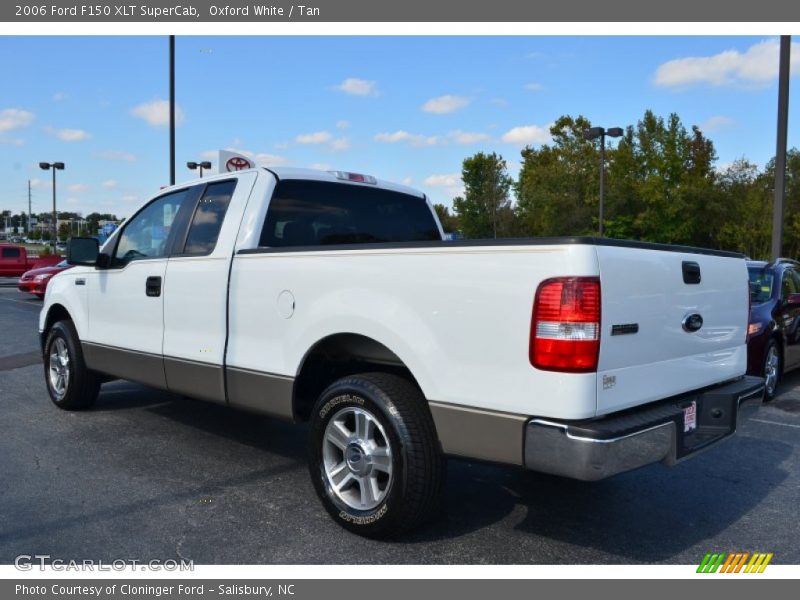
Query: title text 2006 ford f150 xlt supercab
331	298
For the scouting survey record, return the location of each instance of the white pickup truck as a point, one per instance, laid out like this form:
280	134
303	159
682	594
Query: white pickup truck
330	297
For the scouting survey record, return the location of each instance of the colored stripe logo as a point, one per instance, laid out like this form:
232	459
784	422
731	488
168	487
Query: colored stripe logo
737	562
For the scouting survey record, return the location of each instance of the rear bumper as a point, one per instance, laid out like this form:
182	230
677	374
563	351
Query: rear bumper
593	450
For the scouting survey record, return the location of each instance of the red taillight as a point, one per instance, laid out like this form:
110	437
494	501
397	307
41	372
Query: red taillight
565	329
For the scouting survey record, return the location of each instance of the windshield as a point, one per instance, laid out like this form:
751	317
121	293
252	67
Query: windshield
760	284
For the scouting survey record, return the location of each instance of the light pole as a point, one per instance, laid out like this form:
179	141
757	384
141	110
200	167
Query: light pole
56	166
592	134
172	110
780	152
199	165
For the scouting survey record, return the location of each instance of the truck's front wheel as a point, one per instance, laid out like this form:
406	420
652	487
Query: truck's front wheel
374	456
71	385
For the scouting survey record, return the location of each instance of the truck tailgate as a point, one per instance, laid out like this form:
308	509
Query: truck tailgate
651	347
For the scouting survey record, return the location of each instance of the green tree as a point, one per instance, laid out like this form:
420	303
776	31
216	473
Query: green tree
746	226
485	209
557	189
63	231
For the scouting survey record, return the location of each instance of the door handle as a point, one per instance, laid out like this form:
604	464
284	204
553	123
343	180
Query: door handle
153	287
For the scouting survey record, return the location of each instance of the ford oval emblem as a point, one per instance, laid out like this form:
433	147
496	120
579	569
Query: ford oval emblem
692	323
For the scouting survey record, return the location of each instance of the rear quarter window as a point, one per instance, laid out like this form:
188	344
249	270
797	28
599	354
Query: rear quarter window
11	253
318	213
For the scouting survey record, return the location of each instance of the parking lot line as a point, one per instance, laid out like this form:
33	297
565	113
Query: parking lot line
20	302
12	300
775	423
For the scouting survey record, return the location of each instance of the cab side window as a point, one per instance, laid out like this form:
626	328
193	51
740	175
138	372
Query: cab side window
208	217
147	234
11	253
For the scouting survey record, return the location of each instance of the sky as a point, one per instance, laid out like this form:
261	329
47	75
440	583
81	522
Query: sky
405	109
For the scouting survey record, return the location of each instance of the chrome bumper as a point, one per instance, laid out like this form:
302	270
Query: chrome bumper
593	450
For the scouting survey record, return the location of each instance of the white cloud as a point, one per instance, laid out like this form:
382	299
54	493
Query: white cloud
260	158
318	137
110	183
534	87
70	135
37	183
756	66
342	124
358	87
340	144
445	180
449	183
14	118
392	138
414	139
11	140
445	104
468	137
715	123
156	113
527	134
117	155
270	160
77	188
59	96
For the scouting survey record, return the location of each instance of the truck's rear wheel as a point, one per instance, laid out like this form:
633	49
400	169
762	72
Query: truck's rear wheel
71	385
374	457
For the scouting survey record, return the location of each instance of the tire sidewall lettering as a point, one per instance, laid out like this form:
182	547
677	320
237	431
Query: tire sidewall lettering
339	400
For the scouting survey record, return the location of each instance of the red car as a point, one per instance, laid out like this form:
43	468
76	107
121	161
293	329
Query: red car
35	281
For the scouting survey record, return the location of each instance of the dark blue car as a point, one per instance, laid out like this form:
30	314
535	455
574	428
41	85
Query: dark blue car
773	346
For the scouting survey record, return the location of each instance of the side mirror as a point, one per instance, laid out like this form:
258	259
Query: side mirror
83	251
793	300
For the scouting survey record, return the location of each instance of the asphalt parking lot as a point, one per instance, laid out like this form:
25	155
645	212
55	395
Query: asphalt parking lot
148	475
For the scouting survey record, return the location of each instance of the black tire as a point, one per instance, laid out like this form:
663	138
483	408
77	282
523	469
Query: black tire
81	384
413	491
771	389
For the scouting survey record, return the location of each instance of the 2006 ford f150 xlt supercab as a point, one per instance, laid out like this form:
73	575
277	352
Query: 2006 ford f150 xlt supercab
330	297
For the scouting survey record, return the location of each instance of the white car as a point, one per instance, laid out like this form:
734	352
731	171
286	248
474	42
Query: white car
330	297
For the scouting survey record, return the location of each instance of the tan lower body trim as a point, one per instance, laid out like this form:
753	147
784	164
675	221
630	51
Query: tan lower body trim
141	367
203	381
480	434
264	393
